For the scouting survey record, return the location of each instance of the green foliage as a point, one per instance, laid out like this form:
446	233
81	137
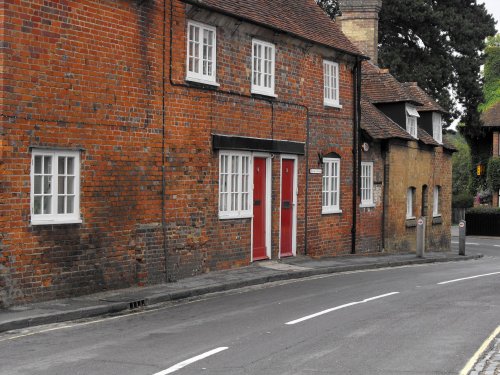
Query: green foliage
462	165
439	44
491	73
484	210
493	173
462	200
331	7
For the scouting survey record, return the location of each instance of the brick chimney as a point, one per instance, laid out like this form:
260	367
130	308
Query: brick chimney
359	22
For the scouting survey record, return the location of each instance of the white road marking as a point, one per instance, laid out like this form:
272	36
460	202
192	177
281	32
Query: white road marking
468	278
496	245
191	360
468	367
338	308
473	243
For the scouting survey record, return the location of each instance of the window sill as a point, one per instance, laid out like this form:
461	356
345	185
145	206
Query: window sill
234	217
332	105
411	222
331	212
367	205
202	81
55	222
437	220
263	93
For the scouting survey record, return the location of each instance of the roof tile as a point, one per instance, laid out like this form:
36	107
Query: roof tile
301	18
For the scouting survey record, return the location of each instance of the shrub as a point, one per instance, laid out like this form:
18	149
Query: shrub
484	210
462	200
493	174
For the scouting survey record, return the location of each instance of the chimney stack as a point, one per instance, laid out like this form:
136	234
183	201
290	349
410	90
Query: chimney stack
359	22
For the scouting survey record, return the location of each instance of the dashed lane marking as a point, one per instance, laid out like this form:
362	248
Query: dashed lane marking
300	320
189	361
468	278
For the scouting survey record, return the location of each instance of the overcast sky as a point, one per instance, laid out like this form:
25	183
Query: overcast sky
493	7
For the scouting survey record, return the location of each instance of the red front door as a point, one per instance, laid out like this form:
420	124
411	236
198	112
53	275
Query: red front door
286	237
259	250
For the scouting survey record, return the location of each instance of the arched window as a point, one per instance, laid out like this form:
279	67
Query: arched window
424	200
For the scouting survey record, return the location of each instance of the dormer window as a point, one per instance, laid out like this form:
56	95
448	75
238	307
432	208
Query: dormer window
411	120
437	127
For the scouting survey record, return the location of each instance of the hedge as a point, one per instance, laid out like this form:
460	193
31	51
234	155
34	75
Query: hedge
493	174
483	221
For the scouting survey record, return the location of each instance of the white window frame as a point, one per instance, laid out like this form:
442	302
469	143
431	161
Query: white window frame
367	184
437	127
52	175
412	120
200	48
331	84
435	201
235	189
330	191
410	202
261	67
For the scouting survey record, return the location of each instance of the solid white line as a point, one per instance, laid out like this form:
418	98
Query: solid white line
191	360
468	367
472	243
468	278
496	245
338	308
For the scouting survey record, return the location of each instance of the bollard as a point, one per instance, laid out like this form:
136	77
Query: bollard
461	237
421	237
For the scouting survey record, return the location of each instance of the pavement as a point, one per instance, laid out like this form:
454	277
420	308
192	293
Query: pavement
108	302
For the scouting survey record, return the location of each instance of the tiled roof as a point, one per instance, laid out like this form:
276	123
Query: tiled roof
381	87
417	92
426	138
378	125
491	117
300	18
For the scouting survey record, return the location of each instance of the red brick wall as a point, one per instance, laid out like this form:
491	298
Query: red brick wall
89	75
370	220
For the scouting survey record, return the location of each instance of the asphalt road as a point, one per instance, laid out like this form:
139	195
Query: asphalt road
427	319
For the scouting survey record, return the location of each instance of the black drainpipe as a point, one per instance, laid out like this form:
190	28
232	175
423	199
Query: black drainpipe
163	148
355	149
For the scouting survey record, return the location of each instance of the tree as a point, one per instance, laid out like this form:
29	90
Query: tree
331	7
439	44
462	165
491	88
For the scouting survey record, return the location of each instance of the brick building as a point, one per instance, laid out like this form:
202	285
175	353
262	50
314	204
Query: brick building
409	169
491	124
145	141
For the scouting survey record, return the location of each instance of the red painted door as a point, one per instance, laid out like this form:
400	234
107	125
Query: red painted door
259	250
286	239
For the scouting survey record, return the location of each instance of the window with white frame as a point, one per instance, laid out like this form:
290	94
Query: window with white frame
437	127
435	204
410	202
366	184
331	186
263	58
331	83
55	186
411	120
234	185
201	53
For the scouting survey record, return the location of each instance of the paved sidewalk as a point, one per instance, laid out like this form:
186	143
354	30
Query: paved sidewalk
19	317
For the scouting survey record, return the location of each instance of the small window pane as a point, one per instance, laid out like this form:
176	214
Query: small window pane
47	184
47	202
60	185
38	164
60	205
61	165
47	164
38	185
71	166
70	181
37	205
70	205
